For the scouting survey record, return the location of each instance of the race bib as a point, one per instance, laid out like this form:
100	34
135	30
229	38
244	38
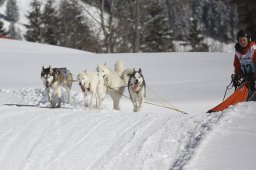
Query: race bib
246	61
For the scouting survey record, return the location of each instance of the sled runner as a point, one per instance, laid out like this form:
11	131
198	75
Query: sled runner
240	95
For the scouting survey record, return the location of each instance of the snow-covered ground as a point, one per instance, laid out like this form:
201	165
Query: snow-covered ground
34	136
231	144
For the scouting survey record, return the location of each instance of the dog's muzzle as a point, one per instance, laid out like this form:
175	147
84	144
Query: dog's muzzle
48	84
136	87
84	89
136	82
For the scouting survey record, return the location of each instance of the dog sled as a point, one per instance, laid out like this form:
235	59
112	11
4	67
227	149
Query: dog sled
244	91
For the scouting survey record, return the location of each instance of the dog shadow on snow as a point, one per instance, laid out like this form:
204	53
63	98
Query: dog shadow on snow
42	102
27	105
35	106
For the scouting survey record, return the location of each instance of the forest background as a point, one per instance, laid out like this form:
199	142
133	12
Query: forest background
117	26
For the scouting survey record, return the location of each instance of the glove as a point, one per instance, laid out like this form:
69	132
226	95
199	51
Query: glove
236	79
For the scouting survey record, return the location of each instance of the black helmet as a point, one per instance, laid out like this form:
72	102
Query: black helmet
243	33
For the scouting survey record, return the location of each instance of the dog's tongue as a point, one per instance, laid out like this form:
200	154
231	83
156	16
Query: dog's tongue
136	87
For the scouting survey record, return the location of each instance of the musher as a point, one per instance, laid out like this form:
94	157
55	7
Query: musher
245	60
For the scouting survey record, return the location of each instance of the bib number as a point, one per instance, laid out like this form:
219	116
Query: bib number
247	68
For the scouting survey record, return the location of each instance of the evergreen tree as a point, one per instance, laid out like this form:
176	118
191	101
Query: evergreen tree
156	35
74	32
196	37
123	29
34	30
2	30
14	32
12	12
218	17
91	2
49	21
159	23
1	2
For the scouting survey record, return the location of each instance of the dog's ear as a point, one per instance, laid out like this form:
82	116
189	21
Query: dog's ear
85	70
42	71
140	70
105	63
50	68
133	69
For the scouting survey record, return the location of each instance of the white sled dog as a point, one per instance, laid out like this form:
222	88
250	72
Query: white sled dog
54	79
115	80
137	89
92	82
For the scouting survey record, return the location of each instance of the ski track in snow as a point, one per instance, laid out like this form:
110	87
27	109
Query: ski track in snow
120	145
77	143
193	139
134	140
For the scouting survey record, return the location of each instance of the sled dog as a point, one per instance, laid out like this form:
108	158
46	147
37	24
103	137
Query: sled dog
137	89
92	82
53	79
115	80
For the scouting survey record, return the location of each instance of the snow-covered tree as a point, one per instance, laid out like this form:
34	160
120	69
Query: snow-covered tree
12	12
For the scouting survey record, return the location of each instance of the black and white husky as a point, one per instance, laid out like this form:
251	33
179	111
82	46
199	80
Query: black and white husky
137	89
53	79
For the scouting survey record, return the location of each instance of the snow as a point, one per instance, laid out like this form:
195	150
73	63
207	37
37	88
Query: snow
237	133
35	136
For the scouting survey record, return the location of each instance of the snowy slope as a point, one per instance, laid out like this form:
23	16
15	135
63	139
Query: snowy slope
72	137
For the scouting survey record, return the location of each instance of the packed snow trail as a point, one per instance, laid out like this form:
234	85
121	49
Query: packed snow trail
37	137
